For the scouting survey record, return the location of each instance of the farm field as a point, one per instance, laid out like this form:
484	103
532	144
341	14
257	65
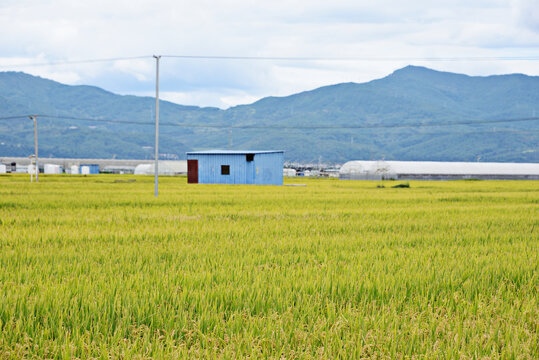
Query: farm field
96	267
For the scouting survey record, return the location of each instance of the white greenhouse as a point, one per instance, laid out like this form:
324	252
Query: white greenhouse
165	168
433	170
52	169
289	172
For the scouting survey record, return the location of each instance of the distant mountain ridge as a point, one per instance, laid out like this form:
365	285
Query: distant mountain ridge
409	95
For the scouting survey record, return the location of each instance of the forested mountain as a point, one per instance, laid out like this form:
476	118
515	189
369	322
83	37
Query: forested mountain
409	96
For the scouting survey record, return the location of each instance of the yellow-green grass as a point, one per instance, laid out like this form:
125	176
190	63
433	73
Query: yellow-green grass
93	267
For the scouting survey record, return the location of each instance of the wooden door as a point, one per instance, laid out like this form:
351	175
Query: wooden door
192	171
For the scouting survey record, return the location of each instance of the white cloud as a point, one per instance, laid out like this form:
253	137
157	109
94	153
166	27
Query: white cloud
526	13
140	69
65	77
42	31
203	98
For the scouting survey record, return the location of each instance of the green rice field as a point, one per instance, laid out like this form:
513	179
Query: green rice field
96	267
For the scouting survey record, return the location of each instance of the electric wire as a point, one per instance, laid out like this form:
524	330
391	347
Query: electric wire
286	58
73	62
14	117
286	127
362	58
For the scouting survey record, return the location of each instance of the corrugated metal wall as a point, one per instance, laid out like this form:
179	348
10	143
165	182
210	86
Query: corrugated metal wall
269	169
265	169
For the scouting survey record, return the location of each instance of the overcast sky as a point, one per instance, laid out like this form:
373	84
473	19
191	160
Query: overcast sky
41	31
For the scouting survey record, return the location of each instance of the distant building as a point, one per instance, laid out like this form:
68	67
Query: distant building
51	169
165	167
289	172
115	169
235	167
437	170
89	169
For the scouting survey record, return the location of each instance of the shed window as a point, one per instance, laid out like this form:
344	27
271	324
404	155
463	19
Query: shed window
225	169
249	157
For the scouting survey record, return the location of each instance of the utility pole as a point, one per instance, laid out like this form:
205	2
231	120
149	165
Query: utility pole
31	157
157	57
34	117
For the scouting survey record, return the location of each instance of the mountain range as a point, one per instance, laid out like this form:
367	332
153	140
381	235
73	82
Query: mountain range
336	123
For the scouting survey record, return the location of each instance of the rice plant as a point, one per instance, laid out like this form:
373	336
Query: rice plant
93	267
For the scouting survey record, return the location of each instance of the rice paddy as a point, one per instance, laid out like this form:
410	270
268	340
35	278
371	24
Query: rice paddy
96	267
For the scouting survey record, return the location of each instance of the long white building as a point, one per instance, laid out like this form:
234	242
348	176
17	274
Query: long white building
434	170
165	167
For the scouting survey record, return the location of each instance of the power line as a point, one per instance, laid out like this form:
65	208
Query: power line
71	62
14	117
501	130
288	58
303	127
84	119
267	127
362	58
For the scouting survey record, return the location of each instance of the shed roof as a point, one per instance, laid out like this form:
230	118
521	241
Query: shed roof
233	152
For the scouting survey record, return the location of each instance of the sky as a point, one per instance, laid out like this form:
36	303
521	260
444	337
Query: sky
381	35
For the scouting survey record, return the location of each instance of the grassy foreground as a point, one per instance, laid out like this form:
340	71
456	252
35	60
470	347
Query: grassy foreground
95	267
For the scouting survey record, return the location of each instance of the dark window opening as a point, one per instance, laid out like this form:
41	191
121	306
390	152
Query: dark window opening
225	169
249	157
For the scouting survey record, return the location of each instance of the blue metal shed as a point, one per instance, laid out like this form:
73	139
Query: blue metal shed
235	167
